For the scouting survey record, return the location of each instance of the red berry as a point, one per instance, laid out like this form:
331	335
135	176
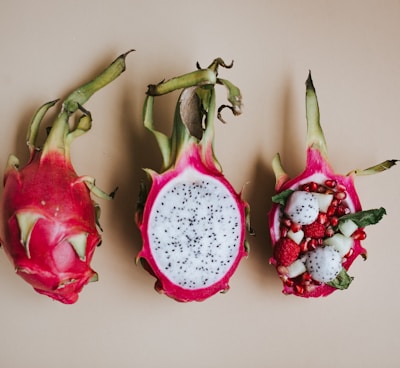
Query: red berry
314	230
286	251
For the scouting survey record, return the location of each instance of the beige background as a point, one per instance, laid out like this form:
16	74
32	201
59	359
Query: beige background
353	49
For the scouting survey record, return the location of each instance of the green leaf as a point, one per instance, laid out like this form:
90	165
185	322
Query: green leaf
282	197
342	281
365	218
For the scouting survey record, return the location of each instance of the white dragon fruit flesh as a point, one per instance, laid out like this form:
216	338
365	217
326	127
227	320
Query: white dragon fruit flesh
328	228
302	207
323	264
192	221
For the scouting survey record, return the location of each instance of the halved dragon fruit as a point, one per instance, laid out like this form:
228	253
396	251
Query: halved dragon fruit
320	211
192	221
47	217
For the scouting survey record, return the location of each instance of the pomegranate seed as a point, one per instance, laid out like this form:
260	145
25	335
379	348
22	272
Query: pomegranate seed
342	210
331	210
284	231
341	188
295	227
334	221
340	195
359	234
313	186
306	276
304	245
330	183
320	241
305	187
286	222
321	189
312	244
299	289
322	218
335	202
289	282
329	232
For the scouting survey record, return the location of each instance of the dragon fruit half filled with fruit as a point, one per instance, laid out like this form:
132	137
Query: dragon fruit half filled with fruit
48	219
192	221
317	222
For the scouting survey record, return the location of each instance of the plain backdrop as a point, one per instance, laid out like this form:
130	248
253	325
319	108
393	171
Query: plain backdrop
352	48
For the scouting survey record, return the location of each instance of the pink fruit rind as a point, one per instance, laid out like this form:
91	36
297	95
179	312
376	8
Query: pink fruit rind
47	217
189	149
190	158
318	170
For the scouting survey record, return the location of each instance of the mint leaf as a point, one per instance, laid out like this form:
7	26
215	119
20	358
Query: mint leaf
342	281
282	197
365	218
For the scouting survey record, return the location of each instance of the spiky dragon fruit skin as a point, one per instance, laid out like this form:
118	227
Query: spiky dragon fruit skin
53	267
48	220
194	162
318	170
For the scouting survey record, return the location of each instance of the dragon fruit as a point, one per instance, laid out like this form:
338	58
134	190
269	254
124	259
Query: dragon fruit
192	221
48	219
321	212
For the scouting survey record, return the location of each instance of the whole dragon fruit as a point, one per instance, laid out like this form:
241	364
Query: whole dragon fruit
192	221
47	217
316	221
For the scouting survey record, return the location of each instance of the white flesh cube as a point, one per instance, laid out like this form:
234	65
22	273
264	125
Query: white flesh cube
347	227
340	242
296	268
297	236
324	201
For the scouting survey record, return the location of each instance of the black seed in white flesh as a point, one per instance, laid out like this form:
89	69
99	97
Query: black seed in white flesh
195	230
302	207
324	263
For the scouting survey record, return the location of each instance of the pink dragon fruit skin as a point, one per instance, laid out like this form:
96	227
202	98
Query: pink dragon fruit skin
48	218
189	161
48	261
318	170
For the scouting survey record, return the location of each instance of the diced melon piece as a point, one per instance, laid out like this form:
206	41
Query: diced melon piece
324	201
347	227
297	236
340	242
296	268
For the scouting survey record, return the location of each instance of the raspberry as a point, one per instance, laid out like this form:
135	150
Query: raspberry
314	230
286	251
